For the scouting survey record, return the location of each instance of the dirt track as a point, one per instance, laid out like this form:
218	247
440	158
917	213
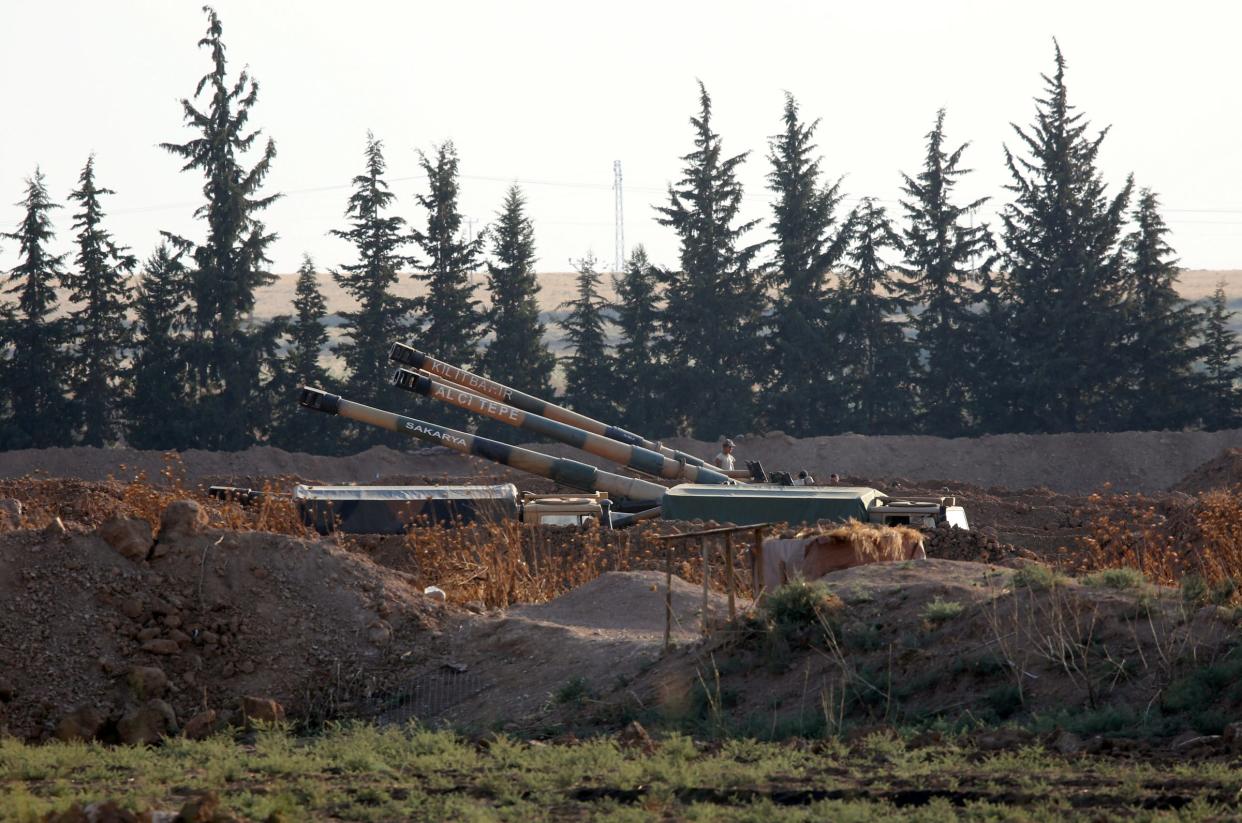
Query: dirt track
1067	463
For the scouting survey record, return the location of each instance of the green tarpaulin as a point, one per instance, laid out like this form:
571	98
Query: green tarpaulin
767	504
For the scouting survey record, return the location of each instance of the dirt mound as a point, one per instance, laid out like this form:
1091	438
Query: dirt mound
1220	472
222	614
631	603
910	642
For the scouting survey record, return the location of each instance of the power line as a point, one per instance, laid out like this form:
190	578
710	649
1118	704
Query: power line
618	218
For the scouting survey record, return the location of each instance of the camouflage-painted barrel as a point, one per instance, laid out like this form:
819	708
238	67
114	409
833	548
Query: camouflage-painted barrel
564	471
636	457
408	356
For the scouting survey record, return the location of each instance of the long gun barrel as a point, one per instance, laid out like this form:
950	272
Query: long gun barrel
636	457
408	356
562	470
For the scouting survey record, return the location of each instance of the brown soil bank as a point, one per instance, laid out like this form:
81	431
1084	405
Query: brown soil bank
1067	463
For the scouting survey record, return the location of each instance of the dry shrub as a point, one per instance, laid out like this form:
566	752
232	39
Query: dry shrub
1170	539
500	564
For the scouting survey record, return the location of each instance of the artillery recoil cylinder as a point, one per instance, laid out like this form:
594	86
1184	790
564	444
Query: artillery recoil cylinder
415	359
563	470
635	457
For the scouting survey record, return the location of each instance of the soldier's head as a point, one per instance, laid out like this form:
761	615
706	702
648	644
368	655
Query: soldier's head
726	446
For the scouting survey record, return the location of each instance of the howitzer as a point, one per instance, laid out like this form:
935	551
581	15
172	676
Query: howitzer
563	470
413	358
635	457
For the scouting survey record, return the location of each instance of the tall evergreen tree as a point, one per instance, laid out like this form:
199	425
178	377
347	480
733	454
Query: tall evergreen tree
1223	407
635	395
1163	388
307	339
800	395
714	302
588	368
450	318
33	338
1064	271
159	411
228	358
518	356
100	333
878	361
381	316
944	257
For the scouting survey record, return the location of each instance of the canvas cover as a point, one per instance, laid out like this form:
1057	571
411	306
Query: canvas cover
755	503
395	509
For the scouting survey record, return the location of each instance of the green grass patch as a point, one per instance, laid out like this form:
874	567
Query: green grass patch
940	611
1037	577
1122	579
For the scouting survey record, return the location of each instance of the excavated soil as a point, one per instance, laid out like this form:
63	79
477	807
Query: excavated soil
255	606
1066	463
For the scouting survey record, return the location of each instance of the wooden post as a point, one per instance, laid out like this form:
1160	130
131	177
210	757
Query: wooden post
729	573
756	574
707	579
668	593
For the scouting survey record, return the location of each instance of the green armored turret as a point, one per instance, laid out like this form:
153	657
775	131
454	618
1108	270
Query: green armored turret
489	388
636	457
564	471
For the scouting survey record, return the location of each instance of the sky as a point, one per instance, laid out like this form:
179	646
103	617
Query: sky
550	94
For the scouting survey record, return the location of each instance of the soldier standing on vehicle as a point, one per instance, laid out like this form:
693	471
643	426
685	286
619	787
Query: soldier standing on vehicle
724	460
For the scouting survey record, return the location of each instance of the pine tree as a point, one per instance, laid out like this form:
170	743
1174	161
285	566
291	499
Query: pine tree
33	356
944	257
879	373
381	317
634	394
228	359
307	339
99	328
1064	271
450	318
1160	346
159	411
800	393
518	356
1220	360
715	301
588	369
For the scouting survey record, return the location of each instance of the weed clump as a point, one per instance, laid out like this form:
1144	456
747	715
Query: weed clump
800	603
940	611
1037	577
1126	578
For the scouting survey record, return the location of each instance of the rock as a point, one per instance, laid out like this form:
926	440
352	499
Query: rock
55	529
246	667
201	725
147	682
147	724
149	633
261	709
379	633
1066	743
1002	739
106	812
161	646
83	723
129	536
179	637
435	593
181	518
634	736
10	512
202	808
1231	737
132	608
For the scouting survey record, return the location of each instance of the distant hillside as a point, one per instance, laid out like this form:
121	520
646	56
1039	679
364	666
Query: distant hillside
558	287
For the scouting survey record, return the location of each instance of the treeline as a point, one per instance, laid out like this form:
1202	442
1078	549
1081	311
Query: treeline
1064	317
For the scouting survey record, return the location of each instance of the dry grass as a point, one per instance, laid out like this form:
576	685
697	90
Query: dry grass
1169	541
